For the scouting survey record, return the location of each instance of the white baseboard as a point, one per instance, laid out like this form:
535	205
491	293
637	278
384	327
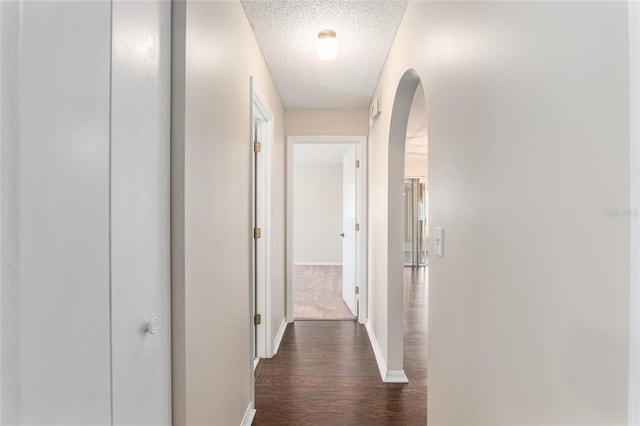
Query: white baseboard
249	414
318	263
388	376
279	334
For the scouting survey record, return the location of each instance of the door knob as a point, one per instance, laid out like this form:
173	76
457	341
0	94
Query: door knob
342	235
152	326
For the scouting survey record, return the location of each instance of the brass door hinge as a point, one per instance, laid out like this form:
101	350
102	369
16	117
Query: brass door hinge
257	319
257	233
257	147
357	164
357	290
357	226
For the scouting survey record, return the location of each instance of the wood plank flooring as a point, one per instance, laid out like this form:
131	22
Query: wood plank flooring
325	372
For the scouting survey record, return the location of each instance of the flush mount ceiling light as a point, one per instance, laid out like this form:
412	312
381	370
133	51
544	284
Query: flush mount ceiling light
327	45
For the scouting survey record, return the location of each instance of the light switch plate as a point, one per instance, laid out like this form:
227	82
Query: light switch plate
439	241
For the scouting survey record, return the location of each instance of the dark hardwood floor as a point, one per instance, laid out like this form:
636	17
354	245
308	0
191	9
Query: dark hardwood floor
325	372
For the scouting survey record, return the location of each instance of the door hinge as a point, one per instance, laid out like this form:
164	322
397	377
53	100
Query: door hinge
357	226
257	233
357	290
257	319
357	164
257	147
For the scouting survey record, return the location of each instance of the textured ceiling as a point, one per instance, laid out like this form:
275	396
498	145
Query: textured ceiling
287	32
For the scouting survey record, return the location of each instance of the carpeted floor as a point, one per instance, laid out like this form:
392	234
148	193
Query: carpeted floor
318	293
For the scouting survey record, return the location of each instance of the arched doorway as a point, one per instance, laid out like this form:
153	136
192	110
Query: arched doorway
408	115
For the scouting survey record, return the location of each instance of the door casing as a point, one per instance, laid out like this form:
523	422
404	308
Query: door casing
361	242
261	271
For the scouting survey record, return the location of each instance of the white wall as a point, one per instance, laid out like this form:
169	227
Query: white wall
326	122
214	53
140	243
323	122
317	213
416	165
528	148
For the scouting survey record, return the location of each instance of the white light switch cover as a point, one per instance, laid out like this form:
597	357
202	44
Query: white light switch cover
439	240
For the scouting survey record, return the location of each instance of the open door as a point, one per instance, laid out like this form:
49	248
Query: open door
349	232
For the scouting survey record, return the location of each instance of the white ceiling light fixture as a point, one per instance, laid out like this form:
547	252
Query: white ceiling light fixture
327	45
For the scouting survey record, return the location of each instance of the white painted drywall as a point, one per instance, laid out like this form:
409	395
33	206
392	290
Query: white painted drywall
416	165
528	151
214	53
416	159
327	122
317	213
140	244
58	339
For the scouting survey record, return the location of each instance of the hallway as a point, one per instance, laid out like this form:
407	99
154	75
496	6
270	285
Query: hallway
325	372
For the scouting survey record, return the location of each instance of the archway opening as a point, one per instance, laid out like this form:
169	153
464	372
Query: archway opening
408	230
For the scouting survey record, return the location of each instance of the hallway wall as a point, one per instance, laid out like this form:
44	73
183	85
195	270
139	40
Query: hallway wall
528	157
214	53
326	122
317	206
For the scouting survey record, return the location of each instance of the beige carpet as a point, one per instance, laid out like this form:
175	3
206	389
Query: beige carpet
318	293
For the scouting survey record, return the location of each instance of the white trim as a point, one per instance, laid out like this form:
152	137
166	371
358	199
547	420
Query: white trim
388	376
258	108
279	335
634	206
318	264
249	414
252	259
361	268
1	213
262	112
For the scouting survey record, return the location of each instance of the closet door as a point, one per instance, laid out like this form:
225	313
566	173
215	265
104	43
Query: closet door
140	251
55	300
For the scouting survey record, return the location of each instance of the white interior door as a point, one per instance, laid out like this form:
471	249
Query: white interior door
140	244
55	213
349	230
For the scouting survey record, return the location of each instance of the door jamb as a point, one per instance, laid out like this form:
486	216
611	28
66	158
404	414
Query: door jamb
361	216
261	110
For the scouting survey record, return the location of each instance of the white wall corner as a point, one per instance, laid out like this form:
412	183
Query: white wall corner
388	376
279	335
249	414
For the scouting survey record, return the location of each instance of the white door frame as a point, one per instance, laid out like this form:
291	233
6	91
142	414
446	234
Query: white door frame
634	209
361	216
261	112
